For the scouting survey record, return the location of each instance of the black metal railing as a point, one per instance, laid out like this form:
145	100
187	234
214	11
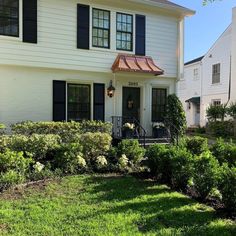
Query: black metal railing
118	128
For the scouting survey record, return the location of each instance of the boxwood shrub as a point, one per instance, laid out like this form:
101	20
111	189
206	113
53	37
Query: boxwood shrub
196	145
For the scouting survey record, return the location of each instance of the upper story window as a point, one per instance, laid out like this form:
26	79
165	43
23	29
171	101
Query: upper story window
101	28
216	102
124	32
196	73
216	73
9	18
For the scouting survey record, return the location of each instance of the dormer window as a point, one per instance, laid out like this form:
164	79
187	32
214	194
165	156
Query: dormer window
124	32
9	18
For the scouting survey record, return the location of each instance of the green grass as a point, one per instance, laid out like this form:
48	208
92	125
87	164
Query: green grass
106	205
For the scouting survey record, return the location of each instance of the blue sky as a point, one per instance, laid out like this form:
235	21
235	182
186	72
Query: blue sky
203	29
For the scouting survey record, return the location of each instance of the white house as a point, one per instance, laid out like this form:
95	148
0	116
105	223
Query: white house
207	80
57	59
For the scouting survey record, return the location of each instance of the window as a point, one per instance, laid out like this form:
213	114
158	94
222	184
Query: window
159	97
101	28
216	73
195	74
78	102
9	18
124	32
216	102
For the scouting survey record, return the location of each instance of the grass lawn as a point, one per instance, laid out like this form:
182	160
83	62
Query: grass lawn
106	205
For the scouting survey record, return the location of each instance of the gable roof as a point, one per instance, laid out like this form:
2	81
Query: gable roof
166	4
194	61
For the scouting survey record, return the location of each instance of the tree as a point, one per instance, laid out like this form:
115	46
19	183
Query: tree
205	2
175	118
216	112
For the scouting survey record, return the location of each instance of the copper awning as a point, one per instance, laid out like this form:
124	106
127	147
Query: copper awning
132	63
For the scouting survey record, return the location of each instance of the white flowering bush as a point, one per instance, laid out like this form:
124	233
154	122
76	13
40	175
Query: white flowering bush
158	125
38	167
101	162
81	162
123	161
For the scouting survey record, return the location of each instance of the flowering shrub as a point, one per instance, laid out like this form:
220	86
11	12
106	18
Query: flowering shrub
101	162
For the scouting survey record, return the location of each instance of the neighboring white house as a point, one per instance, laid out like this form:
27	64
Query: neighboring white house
57	59
207	80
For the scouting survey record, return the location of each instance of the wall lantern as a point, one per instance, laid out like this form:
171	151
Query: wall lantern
189	105
111	90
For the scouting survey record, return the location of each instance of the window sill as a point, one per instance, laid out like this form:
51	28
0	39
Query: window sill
216	84
111	50
10	38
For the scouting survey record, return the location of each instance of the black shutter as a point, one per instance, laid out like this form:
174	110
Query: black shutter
140	35
99	102
30	21
83	26
59	100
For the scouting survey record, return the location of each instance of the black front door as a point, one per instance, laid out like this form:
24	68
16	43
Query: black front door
131	102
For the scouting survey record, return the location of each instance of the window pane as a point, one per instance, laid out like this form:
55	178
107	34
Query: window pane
78	102
124	32
158	104
101	27
9	17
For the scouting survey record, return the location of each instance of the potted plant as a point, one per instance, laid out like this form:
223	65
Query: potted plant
159	130
128	130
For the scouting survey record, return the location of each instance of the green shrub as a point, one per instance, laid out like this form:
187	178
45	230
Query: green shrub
14	168
40	146
94	145
181	168
69	158
227	187
206	174
175	118
224	152
216	112
221	128
154	158
68	131
196	145
132	150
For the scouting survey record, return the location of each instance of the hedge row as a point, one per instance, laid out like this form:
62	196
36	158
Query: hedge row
193	166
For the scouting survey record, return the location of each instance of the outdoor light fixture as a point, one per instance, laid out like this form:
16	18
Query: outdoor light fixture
111	90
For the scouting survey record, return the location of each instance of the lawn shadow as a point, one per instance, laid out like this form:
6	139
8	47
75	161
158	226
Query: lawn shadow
159	207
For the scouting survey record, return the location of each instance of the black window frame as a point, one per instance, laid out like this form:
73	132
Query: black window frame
126	32
11	18
155	117
68	102
101	28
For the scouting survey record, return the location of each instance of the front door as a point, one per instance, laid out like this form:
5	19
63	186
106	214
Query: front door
131	102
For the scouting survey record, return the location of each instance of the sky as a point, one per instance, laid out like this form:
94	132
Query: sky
205	27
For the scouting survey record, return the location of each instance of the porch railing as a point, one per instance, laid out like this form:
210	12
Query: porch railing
118	123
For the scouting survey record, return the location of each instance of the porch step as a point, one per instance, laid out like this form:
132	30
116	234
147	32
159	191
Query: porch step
151	141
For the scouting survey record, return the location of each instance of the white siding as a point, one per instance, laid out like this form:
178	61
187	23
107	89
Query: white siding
56	46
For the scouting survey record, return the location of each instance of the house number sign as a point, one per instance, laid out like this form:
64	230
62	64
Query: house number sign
133	83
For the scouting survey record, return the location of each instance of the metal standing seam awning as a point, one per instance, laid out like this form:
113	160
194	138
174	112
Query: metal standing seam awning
133	63
195	100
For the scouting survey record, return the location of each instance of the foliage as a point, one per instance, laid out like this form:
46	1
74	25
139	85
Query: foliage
114	205
221	128
206	174
224	152
132	151
40	146
227	187
69	158
94	145
14	168
214	112
232	110
181	168
68	131
196	145
175	118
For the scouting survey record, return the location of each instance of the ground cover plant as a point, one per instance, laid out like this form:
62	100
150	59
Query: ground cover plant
106	205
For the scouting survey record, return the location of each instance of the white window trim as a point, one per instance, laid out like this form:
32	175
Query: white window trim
216	83
112	30
216	100
20	37
196	76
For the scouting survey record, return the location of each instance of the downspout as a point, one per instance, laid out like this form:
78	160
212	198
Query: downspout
230	81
